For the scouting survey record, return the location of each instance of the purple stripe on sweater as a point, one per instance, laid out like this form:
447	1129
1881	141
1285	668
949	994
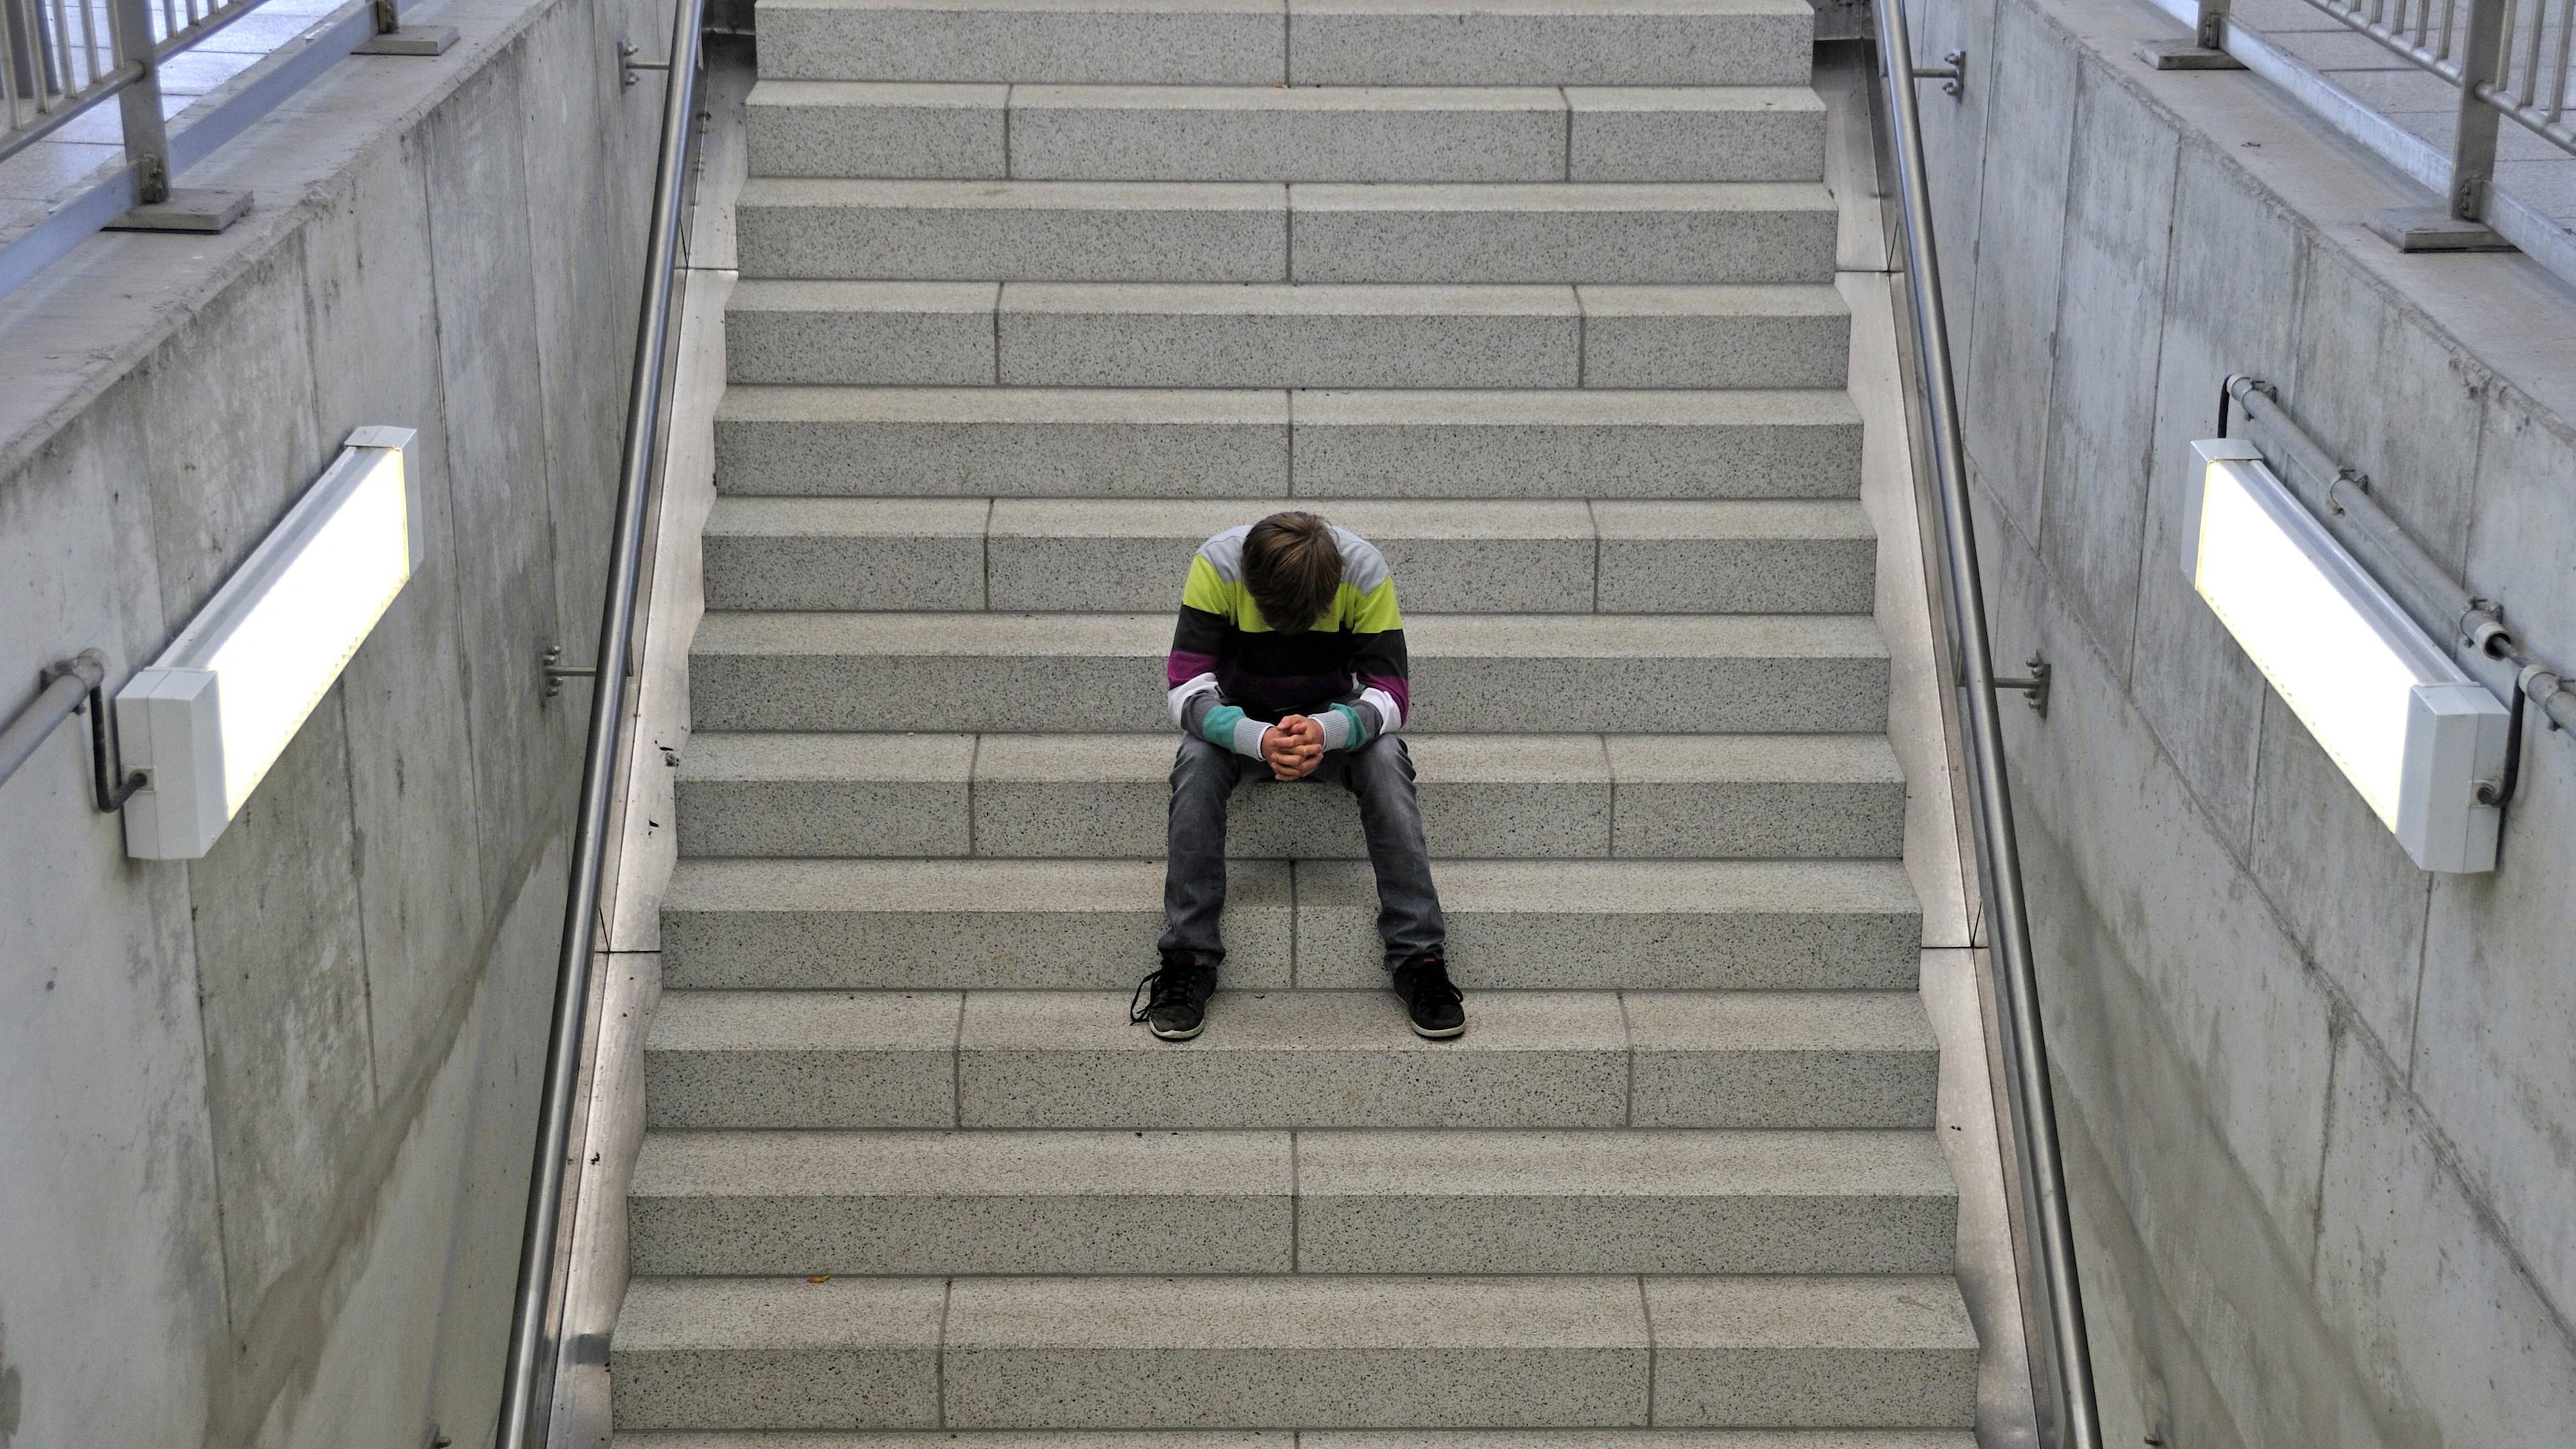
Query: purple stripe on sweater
1183	668
1397	688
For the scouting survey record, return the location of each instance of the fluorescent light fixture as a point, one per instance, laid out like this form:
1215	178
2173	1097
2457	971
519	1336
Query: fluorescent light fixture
214	712
2411	730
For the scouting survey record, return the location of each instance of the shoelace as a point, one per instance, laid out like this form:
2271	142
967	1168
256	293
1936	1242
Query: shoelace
1167	982
1429	981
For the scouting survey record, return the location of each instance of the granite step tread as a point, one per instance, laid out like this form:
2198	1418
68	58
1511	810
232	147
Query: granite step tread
1768	556
1276	334
1294	1351
1278	1059
877	129
1011	796
1268	443
1309	42
835	924
1314	1439
1511	674
1317	1202
1624	232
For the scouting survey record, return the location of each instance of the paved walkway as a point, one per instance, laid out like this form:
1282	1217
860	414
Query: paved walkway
33	180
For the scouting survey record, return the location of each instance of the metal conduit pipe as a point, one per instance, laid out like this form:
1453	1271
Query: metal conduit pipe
71	683
1998	852
2341	497
520	1425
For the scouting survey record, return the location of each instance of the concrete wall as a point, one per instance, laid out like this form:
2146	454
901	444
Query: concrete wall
265	1117
2320	1107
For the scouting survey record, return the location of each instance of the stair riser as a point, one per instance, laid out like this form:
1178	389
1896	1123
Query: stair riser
799	42
1336	948
1365	47
1107	692
1114	349
1255	48
1341	235
1233	243
964	136
1025	574
1125	819
861	1089
1008	1387
1372	244
1250	1233
1250	459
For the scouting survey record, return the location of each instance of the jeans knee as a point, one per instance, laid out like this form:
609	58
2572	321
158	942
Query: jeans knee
1381	764
1201	767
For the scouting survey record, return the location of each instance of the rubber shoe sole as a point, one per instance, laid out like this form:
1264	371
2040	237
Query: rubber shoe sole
1162	1035
1431	1034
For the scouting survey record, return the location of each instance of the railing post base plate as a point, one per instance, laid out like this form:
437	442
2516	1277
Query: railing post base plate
2434	229
2185	55
203	210
420	40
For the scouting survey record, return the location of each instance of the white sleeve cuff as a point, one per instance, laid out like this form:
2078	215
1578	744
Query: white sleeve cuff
1247	736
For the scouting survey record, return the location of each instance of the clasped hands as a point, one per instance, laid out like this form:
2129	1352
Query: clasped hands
1293	747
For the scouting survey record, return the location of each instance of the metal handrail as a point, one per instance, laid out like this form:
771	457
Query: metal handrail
521	1422
1998	852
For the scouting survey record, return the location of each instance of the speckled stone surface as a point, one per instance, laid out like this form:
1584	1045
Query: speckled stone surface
920	334
1264	133
1781	796
857	128
1744	556
758	1353
914	925
1291	1059
1086	231
1279	1351
1585	1439
1718	337
1064	335
1595	444
845	553
1231	42
1591	42
1732	133
1479	557
1067	1439
1472	673
961	1202
774	1059
1602	924
1794	1351
823	795
996	442
1765	231
1607	1202
1802	1059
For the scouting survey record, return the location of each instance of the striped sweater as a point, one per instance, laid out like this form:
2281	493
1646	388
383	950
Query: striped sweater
1232	676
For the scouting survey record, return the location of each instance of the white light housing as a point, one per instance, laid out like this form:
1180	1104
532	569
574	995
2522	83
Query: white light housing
214	712
2411	730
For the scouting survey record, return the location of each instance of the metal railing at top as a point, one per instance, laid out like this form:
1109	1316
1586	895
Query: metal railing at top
2068	1350
2505	58
61	59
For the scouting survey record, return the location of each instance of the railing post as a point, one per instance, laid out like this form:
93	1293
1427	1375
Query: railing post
2206	50
2473	150
147	139
2459	224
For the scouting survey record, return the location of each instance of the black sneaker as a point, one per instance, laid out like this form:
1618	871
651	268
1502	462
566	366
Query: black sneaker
1437	1010
1176	1010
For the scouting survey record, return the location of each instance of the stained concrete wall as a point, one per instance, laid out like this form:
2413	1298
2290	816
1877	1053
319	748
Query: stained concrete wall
265	1117
2320	1107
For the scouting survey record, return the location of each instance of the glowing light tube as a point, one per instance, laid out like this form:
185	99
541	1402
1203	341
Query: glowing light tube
2407	726
212	714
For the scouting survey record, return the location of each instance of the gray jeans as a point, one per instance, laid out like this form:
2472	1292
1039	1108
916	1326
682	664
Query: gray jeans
1379	774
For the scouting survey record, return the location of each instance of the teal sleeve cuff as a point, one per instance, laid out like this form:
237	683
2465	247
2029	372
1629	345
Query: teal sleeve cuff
1345	728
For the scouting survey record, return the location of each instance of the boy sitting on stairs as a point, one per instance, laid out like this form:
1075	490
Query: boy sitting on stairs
1289	659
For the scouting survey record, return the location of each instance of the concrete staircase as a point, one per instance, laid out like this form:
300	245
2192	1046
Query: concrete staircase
1536	294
